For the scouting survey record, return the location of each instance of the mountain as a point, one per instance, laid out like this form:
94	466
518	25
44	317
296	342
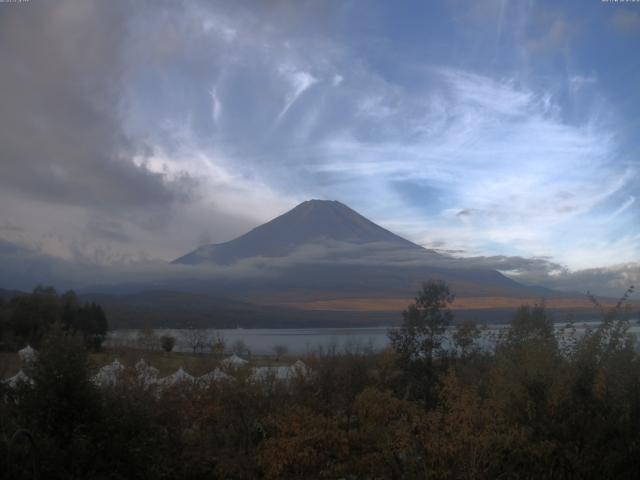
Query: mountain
323	253
311	222
320	264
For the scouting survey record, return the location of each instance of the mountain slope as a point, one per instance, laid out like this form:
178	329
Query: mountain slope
310	222
323	250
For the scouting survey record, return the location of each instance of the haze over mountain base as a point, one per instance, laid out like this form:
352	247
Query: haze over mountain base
320	264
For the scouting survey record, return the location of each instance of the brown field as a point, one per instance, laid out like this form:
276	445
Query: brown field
465	303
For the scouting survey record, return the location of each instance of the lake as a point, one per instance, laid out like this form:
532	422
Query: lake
296	340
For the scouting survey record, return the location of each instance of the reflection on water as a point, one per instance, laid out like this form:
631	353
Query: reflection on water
297	340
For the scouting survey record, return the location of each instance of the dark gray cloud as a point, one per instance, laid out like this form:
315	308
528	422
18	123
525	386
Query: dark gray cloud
75	179
61	132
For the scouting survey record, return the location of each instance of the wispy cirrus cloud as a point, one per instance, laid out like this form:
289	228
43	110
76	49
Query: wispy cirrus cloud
494	131
506	170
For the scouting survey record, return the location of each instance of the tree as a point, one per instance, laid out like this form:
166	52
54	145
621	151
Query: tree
279	350
63	405
302	444
418	341
197	339
147	339
239	347
424	323
465	338
465	434
32	315
383	444
531	324
29	317
167	342
218	344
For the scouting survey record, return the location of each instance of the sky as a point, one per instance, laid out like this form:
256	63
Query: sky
501	131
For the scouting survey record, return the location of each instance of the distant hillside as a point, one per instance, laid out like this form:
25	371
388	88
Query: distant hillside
165	309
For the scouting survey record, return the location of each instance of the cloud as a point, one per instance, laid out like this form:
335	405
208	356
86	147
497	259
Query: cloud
139	130
610	281
300	81
509	168
24	267
79	175
625	206
61	136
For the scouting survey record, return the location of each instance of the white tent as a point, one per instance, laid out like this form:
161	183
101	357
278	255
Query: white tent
181	376
298	368
265	373
108	375
27	354
234	361
146	373
18	378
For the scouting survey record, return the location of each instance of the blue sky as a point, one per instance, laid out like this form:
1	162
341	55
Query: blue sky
478	128
487	127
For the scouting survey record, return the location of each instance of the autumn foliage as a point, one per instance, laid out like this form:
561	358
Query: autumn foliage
535	401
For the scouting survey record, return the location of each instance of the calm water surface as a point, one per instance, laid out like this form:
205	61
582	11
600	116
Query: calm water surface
297	340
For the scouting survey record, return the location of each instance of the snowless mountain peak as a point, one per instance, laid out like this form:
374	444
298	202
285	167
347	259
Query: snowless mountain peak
310	222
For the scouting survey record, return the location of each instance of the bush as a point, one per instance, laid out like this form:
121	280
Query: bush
167	342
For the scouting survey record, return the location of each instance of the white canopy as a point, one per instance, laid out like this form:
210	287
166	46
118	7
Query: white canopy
108	375
180	376
299	368
18	378
27	354
146	373
233	361
264	373
283	373
141	364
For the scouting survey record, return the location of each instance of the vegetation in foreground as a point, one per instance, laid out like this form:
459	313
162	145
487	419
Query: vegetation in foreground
542	404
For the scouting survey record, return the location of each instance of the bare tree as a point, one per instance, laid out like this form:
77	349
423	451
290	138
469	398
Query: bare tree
218	344
147	339
196	338
280	350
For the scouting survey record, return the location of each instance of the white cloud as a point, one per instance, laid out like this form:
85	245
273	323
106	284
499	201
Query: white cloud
500	151
625	206
216	106
299	81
